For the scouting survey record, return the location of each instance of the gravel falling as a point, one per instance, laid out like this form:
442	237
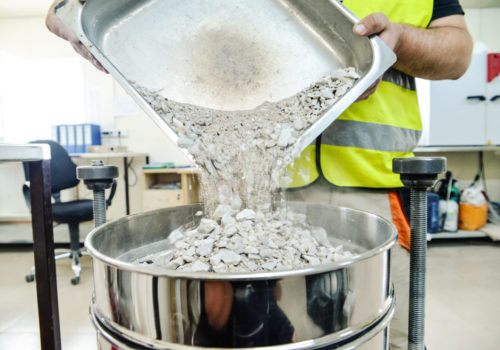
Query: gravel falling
243	155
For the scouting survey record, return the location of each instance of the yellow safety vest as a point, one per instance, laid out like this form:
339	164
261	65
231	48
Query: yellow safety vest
357	149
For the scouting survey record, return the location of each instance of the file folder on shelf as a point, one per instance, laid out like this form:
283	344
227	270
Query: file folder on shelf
79	145
55	133
76	138
63	136
71	148
91	135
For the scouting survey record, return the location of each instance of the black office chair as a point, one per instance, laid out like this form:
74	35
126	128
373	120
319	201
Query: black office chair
63	176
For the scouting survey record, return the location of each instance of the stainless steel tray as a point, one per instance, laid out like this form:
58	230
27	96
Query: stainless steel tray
227	54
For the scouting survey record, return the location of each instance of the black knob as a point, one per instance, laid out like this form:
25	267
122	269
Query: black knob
419	172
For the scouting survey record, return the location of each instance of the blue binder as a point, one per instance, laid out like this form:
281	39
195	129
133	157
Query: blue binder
71	139
55	133
91	135
76	138
63	136
79	145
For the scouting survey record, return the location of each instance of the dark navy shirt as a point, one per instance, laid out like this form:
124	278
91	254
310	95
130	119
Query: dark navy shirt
443	8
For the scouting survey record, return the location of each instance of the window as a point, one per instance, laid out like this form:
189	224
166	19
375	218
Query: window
38	93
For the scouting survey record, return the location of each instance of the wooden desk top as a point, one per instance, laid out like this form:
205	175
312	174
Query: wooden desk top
171	170
108	155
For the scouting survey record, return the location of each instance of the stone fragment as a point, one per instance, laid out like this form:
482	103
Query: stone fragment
269	265
184	142
250	265
251	250
320	235
207	226
311	259
266	253
227	220
215	259
205	248
286	137
220	267
246	214
230	230
164	258
181	245
174	264
222	210
199	266
298	124
229	257
175	236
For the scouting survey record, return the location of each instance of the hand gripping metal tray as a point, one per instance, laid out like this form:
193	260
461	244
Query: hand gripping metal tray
227	54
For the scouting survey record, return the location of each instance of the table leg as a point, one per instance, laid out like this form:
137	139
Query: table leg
125	177
43	246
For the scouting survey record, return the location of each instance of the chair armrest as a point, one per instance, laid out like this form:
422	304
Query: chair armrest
111	194
26	194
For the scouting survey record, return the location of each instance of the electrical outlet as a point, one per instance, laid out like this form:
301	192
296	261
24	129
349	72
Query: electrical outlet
115	133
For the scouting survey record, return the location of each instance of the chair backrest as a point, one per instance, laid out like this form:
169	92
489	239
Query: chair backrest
62	168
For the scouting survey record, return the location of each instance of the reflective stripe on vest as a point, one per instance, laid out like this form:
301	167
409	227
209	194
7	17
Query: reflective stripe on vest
399	78
350	133
358	148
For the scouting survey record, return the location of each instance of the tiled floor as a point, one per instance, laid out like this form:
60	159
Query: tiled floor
22	232
18	309
463	299
463	303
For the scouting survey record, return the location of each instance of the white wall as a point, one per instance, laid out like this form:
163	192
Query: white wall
483	26
28	38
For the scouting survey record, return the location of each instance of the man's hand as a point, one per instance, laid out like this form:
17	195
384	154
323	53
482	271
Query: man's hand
377	23
443	50
56	26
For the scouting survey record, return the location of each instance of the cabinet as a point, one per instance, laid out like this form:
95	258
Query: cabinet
463	112
170	187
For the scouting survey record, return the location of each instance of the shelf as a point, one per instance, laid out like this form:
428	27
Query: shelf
154	198
460	234
432	149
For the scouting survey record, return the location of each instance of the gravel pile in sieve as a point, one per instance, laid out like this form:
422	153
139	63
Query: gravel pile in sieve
248	241
243	155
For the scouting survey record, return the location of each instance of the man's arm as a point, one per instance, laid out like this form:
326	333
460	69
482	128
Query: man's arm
443	50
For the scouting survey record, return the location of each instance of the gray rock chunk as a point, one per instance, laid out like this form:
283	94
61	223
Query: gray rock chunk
205	248
229	257
246	214
199	266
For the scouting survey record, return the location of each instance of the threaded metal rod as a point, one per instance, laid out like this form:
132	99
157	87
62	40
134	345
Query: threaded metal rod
99	208
418	217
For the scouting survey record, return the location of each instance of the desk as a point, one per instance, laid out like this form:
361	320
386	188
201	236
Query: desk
38	157
125	156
